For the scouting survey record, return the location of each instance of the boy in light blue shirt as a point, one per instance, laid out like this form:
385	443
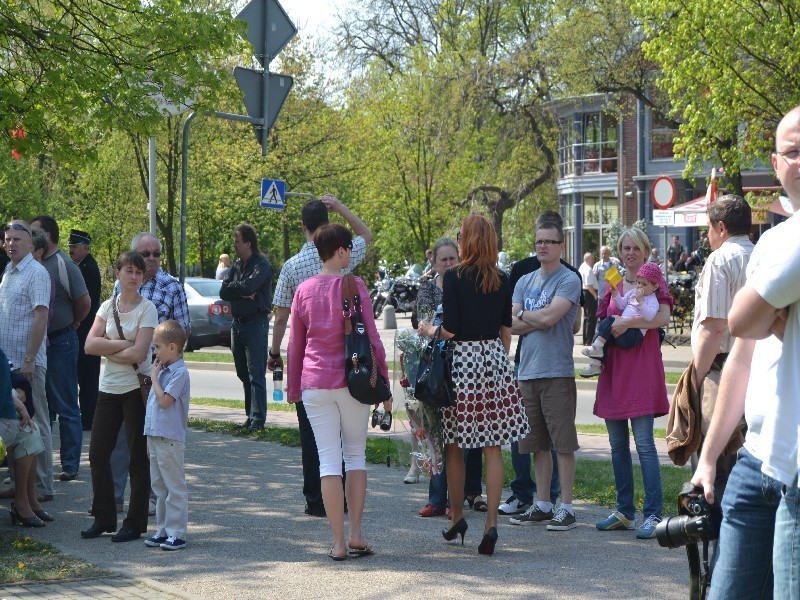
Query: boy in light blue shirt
165	427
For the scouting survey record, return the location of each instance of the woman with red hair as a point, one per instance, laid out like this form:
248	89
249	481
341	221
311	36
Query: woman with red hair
488	411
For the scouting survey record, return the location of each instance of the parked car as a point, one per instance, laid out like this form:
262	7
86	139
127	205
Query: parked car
211	317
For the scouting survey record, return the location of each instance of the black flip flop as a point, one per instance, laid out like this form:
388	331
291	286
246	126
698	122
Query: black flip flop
481	506
360	552
336	558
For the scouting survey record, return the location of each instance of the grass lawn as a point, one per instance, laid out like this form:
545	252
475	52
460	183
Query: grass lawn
594	479
23	559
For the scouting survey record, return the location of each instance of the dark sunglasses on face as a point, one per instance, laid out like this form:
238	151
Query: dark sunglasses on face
147	254
16	227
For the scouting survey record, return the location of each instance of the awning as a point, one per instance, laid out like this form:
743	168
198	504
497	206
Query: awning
693	214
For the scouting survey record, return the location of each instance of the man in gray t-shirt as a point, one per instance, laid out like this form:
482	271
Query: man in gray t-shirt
544	306
71	306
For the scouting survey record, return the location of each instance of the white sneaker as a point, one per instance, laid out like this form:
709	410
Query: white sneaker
592	352
591	370
512	506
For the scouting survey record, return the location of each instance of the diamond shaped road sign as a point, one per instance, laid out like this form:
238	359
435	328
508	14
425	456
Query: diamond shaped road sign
278	33
252	85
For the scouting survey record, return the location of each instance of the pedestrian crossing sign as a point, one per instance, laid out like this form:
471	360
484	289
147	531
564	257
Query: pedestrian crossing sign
273	193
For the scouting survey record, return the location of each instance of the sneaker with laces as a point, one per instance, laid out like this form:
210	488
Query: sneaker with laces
173	543
591	370
616	520
592	352
512	506
562	521
431	510
155	541
648	528
533	515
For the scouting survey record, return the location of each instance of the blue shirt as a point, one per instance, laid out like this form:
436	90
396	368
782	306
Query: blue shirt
169	422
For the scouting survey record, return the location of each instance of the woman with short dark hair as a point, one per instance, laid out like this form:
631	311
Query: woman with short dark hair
316	376
120	398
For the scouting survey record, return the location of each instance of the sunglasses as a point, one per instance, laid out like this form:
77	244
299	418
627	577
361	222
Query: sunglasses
147	254
16	227
349	246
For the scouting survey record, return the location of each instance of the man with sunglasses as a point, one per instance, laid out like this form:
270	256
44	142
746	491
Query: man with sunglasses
24	302
70	307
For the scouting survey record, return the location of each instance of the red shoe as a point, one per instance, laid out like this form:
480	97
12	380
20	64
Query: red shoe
431	510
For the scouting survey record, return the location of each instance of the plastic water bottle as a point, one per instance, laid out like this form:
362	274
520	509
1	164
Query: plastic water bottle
277	384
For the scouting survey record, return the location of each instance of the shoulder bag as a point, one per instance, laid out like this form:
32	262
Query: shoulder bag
145	383
360	367
434	378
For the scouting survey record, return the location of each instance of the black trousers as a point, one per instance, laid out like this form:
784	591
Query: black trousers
88	384
111	411
589	317
312	488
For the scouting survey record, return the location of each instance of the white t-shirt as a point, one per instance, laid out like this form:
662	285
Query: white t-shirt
777	280
588	278
117	378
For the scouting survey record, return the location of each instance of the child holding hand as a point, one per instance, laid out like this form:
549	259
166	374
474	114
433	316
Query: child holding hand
638	302
165	427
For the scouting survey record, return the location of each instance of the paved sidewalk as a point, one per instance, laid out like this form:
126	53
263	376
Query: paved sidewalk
112	588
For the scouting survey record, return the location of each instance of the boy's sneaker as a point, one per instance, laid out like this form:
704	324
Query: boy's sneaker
173	543
431	510
648	528
592	352
562	521
533	515
512	506
591	370
616	520
155	541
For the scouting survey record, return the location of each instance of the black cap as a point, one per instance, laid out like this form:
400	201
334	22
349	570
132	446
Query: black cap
77	236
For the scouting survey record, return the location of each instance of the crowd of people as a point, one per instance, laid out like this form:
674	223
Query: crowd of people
741	384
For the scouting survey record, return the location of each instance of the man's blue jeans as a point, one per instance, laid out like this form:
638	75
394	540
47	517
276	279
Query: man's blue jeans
621	460
62	396
473	461
249	346
743	567
786	546
523	486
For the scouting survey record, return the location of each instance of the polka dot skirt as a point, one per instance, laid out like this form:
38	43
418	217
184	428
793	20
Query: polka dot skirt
489	410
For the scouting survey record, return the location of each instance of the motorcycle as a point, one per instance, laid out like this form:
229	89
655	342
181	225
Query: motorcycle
399	292
681	288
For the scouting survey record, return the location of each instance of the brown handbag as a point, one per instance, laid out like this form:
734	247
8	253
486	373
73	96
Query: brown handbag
145	383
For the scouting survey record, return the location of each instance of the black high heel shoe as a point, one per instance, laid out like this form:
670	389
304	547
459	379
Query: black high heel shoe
44	516
24	521
458	528
488	542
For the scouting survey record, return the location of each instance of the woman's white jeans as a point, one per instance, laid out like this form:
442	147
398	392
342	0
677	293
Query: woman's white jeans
339	422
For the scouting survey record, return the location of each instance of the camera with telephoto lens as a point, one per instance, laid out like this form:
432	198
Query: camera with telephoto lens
384	419
697	520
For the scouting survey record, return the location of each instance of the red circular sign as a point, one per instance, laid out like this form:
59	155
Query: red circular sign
663	192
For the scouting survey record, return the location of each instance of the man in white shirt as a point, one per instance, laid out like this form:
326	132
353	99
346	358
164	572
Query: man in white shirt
589	281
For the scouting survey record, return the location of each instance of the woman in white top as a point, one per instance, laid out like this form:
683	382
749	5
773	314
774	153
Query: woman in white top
120	399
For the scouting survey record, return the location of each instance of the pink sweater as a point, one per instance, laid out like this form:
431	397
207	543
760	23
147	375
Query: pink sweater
316	336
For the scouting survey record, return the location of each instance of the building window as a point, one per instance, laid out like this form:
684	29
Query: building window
662	137
591	148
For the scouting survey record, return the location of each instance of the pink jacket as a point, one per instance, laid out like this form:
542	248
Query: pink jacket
316	336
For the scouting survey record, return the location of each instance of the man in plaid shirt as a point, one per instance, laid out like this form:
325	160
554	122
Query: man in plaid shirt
296	270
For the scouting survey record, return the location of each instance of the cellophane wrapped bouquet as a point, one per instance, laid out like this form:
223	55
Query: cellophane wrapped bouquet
425	422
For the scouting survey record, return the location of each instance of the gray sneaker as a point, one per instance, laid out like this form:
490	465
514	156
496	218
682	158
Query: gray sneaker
533	515
563	521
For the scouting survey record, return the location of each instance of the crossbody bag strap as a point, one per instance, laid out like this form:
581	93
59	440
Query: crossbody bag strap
119	327
349	305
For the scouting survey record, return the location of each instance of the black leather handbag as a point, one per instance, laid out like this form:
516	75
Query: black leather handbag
360	367
434	385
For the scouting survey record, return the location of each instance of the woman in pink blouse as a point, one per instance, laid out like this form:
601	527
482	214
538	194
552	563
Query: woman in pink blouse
316	376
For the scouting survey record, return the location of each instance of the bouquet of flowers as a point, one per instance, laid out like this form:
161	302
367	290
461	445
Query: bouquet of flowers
425	422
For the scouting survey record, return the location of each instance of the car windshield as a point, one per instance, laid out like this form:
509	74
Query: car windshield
209	288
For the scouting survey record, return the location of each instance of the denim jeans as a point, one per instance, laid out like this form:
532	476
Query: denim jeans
743	567
786	545
621	460
62	396
249	345
629	339
523	486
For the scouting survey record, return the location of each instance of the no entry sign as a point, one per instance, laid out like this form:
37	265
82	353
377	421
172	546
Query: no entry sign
663	192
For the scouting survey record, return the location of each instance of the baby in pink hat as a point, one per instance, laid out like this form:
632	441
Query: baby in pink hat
638	302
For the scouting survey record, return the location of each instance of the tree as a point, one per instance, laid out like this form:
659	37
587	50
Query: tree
730	69
70	70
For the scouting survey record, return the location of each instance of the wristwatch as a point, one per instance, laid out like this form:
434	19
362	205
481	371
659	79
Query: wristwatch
29	359
275	356
519	314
